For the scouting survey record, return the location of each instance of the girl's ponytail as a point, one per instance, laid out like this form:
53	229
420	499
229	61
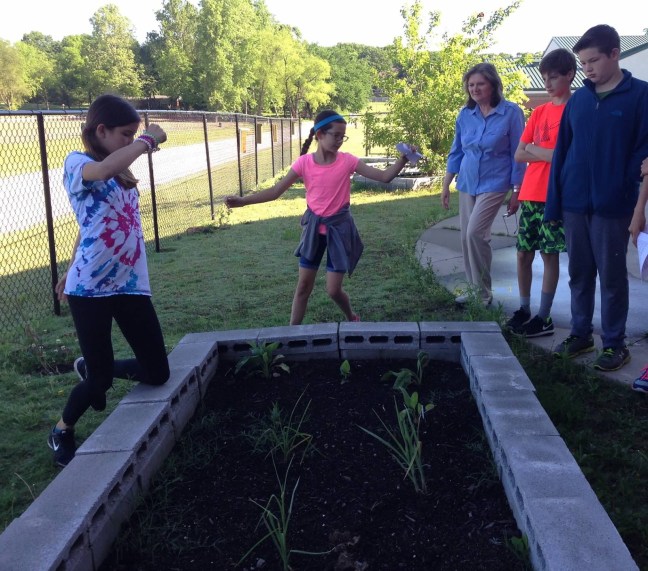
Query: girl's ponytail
307	142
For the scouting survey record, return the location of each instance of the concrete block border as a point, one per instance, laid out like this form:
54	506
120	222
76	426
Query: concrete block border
72	524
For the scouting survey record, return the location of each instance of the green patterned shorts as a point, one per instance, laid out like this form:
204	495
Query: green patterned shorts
534	234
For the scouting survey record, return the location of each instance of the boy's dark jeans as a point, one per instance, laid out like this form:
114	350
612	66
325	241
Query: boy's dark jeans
598	245
136	317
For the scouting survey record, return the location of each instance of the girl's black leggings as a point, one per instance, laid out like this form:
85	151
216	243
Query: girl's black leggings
139	324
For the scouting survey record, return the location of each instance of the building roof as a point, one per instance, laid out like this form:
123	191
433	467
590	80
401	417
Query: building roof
628	43
536	83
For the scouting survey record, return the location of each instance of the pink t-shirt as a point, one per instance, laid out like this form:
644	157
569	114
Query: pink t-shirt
328	187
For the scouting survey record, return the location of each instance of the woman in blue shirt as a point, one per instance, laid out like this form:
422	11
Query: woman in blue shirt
488	132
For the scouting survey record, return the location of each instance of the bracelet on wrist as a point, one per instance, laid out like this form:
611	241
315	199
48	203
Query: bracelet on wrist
149	141
149	134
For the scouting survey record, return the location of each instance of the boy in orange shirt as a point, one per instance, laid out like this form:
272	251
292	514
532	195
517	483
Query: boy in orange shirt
537	143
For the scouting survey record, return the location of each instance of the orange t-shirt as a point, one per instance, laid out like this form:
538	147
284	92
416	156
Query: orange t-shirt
541	130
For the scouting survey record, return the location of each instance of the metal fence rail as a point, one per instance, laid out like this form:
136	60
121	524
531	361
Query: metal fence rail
207	156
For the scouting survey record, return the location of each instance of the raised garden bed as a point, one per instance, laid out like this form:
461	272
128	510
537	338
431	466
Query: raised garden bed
352	501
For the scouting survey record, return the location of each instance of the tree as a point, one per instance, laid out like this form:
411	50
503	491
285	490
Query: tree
305	80
225	53
109	55
173	50
37	67
13	86
426	91
70	71
351	75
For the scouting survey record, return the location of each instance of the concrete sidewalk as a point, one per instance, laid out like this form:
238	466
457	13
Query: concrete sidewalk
439	248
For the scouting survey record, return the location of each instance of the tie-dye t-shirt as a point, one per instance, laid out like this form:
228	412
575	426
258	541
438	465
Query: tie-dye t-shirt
110	258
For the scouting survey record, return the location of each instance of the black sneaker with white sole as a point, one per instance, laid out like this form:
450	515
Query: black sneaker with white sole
63	444
537	327
520	318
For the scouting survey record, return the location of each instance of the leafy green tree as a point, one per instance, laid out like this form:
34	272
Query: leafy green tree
71	83
173	50
276	42
109	55
351	75
37	67
425	90
305	79
225	53
13	85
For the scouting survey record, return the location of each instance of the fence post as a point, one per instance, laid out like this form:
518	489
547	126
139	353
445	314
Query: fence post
209	177
283	166
272	147
257	142
156	233
238	153
290	139
47	195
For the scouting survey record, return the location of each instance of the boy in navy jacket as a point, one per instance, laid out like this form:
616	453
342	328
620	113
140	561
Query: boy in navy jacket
593	187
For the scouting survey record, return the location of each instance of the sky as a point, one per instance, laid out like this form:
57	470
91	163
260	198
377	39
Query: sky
370	22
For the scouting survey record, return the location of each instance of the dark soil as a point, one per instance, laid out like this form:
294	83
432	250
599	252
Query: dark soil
351	498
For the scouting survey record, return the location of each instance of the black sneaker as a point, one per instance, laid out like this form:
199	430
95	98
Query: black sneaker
520	318
612	358
80	368
63	444
573	346
537	327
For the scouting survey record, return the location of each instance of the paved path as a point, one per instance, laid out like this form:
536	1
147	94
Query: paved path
439	248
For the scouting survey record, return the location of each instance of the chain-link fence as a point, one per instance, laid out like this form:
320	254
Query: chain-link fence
207	156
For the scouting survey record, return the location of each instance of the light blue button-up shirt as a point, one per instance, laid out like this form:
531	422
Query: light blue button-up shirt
483	149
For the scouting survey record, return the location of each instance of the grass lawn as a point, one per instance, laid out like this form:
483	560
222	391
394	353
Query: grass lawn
242	275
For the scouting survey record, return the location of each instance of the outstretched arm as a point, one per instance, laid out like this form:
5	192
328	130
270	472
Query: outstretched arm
266	195
386	175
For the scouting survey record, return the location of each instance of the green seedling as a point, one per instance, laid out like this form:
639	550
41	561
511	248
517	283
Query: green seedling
405	446
345	371
275	516
406	377
262	361
285	436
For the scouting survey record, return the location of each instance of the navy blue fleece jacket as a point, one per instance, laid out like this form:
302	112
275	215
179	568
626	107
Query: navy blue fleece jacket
601	143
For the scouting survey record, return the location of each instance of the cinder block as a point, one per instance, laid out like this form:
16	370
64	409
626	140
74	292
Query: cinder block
101	497
442	339
482	344
379	340
515	412
498	373
232	345
181	392
31	545
200	354
144	429
304	342
572	534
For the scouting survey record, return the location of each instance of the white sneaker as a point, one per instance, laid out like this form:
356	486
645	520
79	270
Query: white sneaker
464	298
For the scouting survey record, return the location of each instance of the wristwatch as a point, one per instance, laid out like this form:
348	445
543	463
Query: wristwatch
516	189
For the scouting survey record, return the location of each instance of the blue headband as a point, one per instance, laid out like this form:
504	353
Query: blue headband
326	121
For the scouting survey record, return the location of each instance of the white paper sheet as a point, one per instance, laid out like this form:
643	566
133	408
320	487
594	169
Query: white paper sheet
642	249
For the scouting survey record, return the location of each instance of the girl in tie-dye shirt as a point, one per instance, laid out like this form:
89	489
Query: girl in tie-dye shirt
108	278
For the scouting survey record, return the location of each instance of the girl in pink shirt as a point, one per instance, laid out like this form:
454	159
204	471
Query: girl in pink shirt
327	224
